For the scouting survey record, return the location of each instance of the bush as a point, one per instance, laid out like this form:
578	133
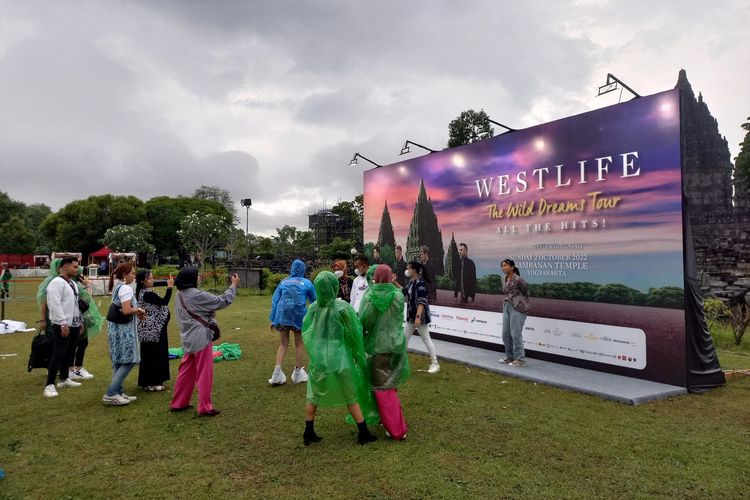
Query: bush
164	271
714	309
269	281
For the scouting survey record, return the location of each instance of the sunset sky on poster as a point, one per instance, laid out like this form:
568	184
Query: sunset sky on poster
641	243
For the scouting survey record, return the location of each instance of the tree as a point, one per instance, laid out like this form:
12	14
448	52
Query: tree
470	126
742	160
81	224
10	207
219	195
164	214
200	233
15	237
337	249
128	239
352	211
283	242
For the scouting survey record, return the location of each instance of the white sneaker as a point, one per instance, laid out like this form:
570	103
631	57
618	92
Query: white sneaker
299	375
434	367
84	373
116	400
68	383
278	377
129	398
74	376
50	391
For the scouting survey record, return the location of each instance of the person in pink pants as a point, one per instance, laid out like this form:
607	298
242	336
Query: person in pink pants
195	311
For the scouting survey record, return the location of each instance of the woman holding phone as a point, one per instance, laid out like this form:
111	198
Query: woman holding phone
152	332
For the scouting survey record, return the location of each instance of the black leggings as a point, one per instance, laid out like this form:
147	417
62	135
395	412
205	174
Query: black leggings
62	353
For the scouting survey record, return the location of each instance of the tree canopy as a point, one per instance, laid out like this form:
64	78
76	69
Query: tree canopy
742	160
470	126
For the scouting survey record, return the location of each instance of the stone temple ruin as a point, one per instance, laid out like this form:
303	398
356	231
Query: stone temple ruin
719	211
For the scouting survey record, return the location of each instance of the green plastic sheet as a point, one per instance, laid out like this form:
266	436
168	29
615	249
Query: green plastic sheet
332	335
382	316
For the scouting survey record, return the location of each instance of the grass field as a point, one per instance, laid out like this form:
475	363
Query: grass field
472	434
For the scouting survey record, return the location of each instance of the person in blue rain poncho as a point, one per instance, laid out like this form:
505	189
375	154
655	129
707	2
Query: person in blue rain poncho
288	308
333	337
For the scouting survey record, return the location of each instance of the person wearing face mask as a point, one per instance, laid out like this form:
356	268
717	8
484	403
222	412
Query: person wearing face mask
345	282
418	310
359	285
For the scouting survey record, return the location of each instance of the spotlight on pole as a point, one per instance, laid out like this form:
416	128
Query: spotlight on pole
355	162
611	85
507	128
406	150
247	203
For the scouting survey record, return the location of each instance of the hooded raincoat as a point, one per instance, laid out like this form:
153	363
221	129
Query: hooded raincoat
289	303
382	317
333	339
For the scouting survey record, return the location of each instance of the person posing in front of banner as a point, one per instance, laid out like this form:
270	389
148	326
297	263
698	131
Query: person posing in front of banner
195	311
418	310
288	308
515	307
123	337
359	285
65	317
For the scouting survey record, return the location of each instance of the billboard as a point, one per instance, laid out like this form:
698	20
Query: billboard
590	209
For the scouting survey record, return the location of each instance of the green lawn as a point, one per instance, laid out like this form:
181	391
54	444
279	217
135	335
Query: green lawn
471	434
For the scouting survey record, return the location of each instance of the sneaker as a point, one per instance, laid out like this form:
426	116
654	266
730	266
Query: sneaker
74	376
68	383
159	388
519	362
278	377
299	375
129	398
434	367
116	400
50	391
506	361
84	373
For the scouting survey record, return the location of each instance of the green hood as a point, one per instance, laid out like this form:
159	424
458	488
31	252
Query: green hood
326	287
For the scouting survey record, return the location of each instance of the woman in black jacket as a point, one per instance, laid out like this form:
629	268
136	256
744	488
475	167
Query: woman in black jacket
152	332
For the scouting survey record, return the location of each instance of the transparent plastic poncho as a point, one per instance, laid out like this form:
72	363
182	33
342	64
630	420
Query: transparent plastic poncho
382	316
332	335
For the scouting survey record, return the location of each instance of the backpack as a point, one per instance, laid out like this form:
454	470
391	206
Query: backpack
41	351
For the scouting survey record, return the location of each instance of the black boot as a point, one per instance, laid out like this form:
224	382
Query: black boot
364	433
309	436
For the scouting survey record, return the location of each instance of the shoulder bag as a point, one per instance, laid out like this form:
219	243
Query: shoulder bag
215	331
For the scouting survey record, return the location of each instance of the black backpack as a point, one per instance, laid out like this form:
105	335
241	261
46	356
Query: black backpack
41	351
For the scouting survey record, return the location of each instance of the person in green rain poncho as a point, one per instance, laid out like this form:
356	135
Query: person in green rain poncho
333	339
92	318
382	316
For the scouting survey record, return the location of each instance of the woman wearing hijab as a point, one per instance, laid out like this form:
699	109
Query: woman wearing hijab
288	308
333	339
195	309
382	317
345	282
152	332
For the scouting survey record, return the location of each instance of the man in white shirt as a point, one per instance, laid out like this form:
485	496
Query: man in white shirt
65	316
359	285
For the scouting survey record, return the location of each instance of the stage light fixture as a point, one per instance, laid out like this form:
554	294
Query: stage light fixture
355	162
611	85
406	149
507	128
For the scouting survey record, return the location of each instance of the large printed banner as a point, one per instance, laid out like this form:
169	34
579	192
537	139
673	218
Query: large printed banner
590	209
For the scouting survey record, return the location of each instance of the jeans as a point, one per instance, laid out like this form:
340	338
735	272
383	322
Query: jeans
512	331
119	372
62	353
424	332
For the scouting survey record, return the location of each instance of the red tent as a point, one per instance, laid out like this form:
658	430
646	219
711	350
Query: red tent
102	252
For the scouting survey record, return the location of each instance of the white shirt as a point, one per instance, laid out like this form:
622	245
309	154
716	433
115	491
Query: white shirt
62	303
359	286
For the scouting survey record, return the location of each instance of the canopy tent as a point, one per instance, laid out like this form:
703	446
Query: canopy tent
102	253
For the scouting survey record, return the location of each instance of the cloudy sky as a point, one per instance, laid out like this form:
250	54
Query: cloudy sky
270	99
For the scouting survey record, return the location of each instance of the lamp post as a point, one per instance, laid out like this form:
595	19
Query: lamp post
247	202
611	84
